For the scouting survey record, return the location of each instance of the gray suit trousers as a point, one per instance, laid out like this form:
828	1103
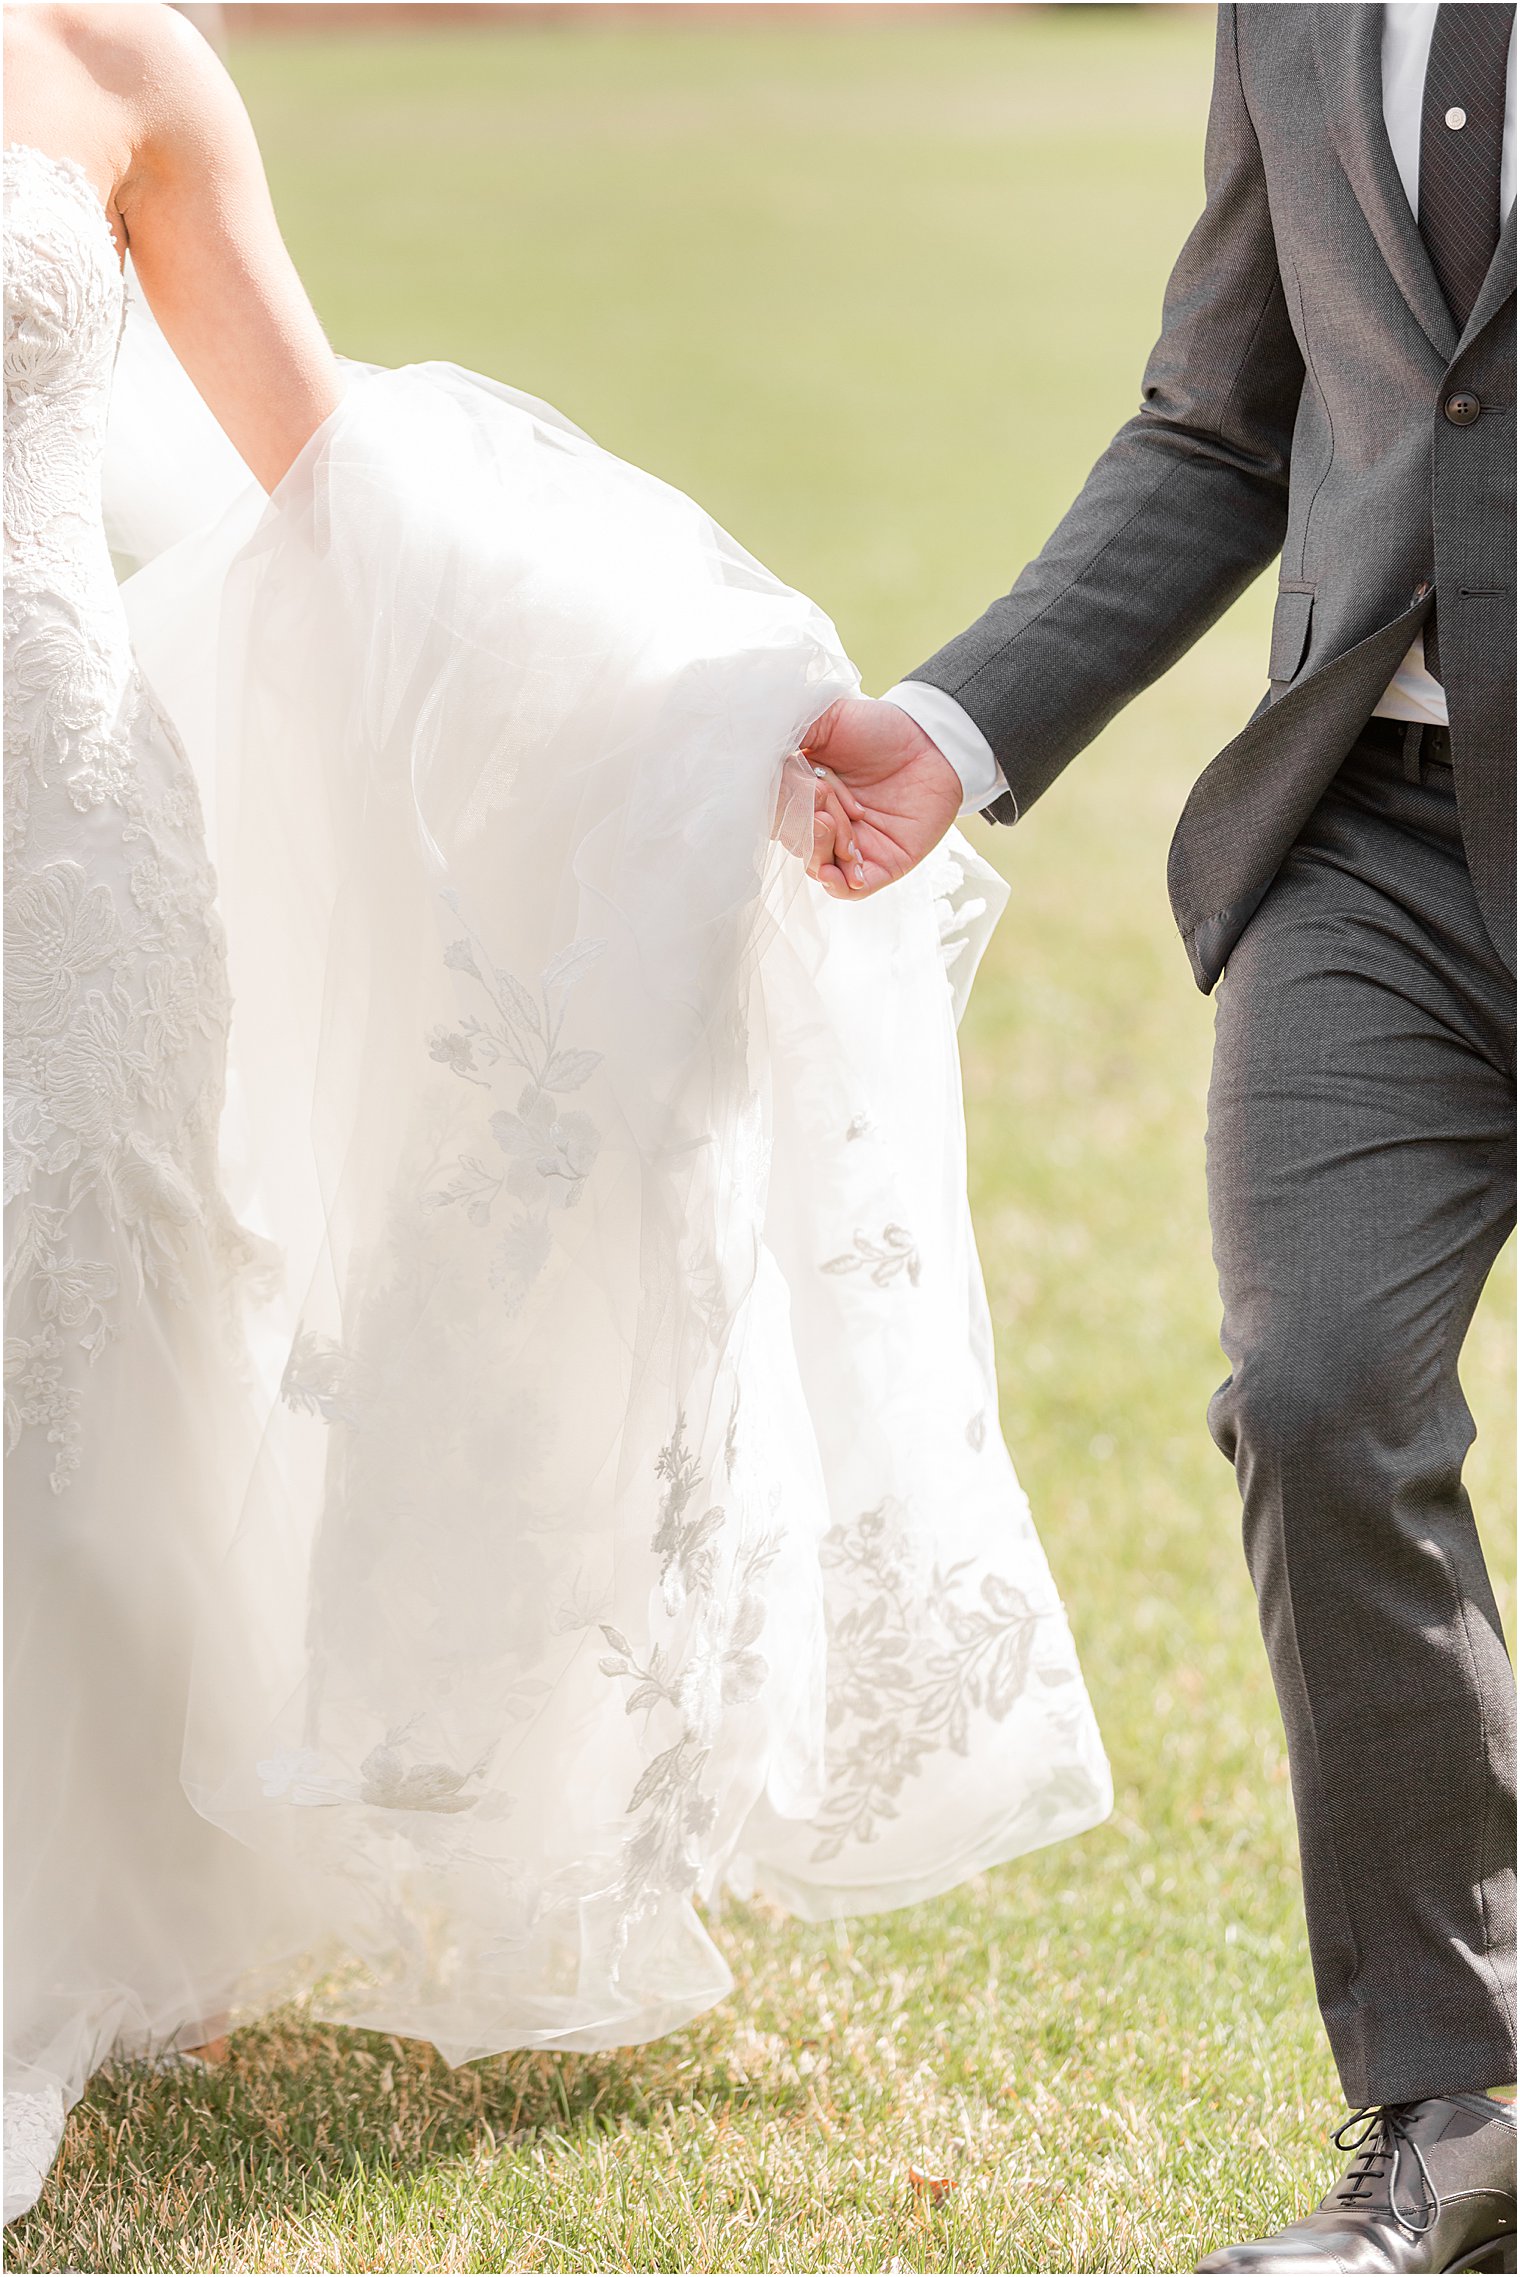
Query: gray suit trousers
1361	1182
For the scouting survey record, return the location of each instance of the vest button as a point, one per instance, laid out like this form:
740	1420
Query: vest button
1462	409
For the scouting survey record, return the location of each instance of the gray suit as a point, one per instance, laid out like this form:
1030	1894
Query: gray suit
1292	404
1305	397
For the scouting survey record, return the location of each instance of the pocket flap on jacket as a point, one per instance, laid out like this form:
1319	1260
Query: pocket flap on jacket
1290	631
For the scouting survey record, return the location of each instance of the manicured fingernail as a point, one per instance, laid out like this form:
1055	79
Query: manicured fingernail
853	851
860	873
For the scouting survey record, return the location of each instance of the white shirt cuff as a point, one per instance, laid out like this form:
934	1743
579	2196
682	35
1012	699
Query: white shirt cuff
957	735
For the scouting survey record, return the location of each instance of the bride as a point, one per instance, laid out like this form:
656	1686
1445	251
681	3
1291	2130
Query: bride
501	1425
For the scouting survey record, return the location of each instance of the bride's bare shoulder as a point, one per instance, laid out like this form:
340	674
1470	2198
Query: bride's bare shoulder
124	44
63	80
138	61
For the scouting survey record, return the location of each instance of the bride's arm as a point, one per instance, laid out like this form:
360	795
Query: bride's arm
208	252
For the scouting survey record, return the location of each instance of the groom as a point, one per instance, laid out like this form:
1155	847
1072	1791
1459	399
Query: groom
1335	385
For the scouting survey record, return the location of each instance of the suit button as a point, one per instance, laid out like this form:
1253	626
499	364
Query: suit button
1462	410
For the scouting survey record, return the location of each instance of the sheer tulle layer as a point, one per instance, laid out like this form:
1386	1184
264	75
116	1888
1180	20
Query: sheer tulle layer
632	1510
132	1926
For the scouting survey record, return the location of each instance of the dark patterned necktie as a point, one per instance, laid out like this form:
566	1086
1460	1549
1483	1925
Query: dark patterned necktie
1462	145
1461	151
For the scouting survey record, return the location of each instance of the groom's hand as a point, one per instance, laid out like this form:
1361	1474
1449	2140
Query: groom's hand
899	789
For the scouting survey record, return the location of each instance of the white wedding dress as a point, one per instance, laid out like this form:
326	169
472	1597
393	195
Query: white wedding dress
514	1445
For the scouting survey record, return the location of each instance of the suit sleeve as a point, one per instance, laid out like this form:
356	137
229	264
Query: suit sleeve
1185	507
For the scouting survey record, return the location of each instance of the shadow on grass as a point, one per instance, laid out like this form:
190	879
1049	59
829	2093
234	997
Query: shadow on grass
301	2112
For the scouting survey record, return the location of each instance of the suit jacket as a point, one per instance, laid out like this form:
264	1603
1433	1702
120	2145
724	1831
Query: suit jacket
1295	404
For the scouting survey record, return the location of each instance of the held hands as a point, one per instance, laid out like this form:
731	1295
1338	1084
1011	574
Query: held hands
884	796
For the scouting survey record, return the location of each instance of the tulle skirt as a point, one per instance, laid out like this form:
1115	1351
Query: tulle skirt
626	1509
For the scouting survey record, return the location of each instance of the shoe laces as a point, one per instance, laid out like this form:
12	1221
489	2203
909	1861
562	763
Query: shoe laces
1380	2136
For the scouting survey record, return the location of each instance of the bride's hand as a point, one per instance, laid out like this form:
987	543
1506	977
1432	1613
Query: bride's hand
835	860
815	820
897	790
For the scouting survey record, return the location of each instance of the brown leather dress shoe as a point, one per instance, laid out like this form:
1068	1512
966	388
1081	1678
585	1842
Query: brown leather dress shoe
1430	2186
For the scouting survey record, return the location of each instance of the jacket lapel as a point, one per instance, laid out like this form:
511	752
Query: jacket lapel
1348	42
1497	285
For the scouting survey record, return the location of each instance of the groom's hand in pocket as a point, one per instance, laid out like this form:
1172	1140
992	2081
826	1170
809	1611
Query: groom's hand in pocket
899	789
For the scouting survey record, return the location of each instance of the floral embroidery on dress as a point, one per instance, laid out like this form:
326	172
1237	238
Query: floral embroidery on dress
391	1777
38	1399
883	1259
891	1706
663	1856
548	1148
64	307
319	1379
684	1546
71	1293
389	1781
715	1666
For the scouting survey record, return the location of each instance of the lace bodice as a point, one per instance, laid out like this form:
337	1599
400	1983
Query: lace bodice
115	989
64	305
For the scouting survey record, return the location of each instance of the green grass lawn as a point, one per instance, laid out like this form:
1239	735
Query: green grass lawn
877	293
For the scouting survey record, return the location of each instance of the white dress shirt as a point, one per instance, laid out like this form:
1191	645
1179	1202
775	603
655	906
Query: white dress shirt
1413	693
